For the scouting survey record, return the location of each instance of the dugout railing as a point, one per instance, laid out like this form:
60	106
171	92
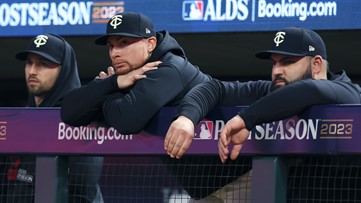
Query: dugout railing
321	131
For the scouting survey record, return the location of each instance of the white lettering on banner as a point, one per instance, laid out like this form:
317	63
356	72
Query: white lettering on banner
233	10
100	134
45	13
229	10
218	128
296	9
286	130
289	129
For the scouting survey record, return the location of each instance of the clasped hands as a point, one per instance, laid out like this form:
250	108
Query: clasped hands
181	133
129	79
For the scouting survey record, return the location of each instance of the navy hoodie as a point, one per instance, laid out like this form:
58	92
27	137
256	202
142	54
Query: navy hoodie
129	111
266	105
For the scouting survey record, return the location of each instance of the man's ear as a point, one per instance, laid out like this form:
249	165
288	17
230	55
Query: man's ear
152	43
318	71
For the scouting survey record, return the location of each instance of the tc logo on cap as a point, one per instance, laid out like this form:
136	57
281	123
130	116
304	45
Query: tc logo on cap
116	20
40	40
280	36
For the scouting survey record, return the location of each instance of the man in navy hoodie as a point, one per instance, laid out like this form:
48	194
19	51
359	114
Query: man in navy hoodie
51	72
300	78
133	91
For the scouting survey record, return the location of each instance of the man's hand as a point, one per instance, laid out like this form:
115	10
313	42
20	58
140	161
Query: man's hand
179	137
235	132
127	80
103	75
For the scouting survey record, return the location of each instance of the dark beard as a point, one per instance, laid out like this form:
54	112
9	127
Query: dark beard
278	77
306	75
37	92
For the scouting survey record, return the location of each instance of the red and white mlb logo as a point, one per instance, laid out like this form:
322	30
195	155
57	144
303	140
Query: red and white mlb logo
192	10
204	130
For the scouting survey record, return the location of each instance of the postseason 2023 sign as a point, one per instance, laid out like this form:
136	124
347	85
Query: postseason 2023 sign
329	129
29	17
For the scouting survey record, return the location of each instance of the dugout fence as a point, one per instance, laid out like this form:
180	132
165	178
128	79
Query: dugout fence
310	158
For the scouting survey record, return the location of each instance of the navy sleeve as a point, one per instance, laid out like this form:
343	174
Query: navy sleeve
294	98
204	97
131	112
84	105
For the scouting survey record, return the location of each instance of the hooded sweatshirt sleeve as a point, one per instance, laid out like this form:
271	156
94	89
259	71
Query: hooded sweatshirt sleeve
84	105
131	112
203	98
294	98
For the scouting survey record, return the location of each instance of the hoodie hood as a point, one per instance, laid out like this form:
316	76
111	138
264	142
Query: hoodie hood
338	76
342	76
67	80
166	44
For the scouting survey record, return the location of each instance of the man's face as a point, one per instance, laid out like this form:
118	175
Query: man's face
128	53
40	74
287	69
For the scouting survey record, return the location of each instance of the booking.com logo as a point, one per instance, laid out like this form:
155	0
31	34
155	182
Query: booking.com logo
241	10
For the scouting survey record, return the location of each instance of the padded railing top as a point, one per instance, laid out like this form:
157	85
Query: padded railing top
329	129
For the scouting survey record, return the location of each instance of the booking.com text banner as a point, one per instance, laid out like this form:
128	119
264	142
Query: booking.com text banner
329	129
29	17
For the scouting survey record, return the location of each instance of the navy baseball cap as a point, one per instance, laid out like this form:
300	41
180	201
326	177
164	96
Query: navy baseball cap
129	24
49	46
296	41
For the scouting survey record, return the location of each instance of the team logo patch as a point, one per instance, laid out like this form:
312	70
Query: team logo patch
192	10
116	20
24	176
280	37
40	40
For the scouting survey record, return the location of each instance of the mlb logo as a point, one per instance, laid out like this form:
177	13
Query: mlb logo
192	10
204	131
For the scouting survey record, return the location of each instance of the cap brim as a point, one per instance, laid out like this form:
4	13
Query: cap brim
103	40
23	54
266	54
